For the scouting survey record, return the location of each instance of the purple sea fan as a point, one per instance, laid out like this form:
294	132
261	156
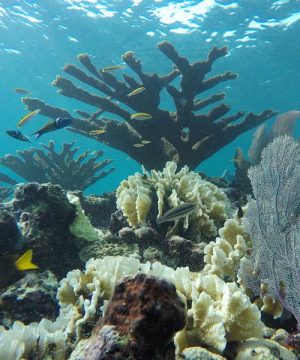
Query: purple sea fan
273	222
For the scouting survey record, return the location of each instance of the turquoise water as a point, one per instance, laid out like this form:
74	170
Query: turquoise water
37	38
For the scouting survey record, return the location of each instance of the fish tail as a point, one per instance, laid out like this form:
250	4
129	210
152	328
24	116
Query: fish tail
38	134
24	262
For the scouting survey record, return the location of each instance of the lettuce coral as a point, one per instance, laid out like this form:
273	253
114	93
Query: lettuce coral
166	189
223	255
217	311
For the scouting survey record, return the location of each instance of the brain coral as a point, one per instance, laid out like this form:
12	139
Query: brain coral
166	189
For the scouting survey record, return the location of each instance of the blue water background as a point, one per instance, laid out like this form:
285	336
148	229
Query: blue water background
37	38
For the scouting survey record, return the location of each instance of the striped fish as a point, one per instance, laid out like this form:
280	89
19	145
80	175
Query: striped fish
177	212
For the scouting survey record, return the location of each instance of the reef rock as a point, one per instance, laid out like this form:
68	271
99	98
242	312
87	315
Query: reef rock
140	320
45	215
10	235
30	299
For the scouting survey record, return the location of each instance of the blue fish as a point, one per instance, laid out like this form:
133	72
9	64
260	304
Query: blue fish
53	125
16	134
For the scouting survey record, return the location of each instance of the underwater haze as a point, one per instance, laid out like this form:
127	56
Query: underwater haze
149	180
38	38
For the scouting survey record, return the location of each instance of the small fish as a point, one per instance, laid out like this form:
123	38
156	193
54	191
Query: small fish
145	142
10	265
112	68
240	212
136	91
17	135
177	212
97	132
140	116
22	91
53	125
138	145
27	117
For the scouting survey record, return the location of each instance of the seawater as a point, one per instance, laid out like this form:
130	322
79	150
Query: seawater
37	38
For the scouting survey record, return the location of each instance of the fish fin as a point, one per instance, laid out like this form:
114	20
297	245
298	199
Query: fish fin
24	262
38	134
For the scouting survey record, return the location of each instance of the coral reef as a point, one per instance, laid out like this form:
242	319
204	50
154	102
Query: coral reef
62	168
166	189
218	313
144	197
139	322
82	293
223	255
272	221
44	214
185	135
263	349
10	234
30	299
98	208
7	190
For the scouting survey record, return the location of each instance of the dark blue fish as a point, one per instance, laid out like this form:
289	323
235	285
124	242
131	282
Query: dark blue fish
16	134
53	125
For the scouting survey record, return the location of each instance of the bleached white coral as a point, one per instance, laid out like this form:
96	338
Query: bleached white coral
263	349
19	341
220	312
217	311
81	226
223	255
170	189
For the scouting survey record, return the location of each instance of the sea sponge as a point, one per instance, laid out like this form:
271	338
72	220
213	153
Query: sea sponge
166	189
223	255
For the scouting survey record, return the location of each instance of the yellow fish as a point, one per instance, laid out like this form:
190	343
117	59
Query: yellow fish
140	116
145	142
27	117
138	145
112	68
9	265
136	91
97	132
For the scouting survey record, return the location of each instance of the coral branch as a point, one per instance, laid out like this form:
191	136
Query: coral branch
207	132
61	168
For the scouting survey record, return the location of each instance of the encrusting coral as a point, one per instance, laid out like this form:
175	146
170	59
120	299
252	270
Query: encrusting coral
185	136
163	190
60	168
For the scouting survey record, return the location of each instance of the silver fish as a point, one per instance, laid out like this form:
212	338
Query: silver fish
177	212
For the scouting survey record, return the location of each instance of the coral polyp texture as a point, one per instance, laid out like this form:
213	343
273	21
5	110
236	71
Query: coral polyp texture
62	168
186	135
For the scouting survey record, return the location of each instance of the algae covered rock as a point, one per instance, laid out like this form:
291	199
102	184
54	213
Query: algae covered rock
140	320
45	215
30	299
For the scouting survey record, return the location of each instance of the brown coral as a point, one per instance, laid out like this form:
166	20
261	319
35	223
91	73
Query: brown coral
185	136
62	168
